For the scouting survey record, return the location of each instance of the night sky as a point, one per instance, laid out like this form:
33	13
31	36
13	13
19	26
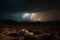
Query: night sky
15	10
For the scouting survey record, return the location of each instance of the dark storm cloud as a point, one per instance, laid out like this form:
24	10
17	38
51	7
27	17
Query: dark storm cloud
14	16
48	15
14	9
11	6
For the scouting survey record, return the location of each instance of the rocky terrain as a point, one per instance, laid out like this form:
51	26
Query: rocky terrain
30	31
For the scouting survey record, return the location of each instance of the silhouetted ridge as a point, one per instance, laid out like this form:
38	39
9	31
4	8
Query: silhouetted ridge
12	22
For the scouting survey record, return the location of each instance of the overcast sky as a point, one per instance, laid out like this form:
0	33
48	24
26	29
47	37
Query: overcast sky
15	9
10	6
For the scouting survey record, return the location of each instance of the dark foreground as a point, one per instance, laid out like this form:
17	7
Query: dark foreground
30	31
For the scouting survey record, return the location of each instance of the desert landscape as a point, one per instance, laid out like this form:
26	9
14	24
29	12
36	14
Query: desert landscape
30	31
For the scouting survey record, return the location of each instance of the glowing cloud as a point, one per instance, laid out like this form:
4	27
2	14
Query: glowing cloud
35	17
26	15
39	16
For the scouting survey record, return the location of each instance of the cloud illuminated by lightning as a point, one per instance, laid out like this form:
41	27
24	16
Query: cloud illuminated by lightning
26	15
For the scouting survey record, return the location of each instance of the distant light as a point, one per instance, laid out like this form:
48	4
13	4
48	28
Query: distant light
35	17
26	15
32	15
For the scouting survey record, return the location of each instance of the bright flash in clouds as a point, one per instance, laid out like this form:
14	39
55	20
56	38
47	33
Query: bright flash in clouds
26	15
35	17
32	16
